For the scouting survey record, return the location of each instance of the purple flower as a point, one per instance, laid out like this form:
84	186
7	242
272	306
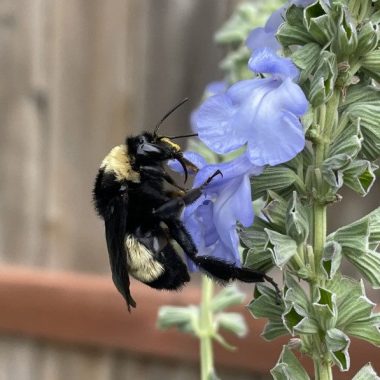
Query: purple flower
262	113
265	37
216	87
211	220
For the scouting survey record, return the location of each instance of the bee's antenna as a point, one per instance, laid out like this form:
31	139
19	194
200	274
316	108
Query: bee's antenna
168	114
178	137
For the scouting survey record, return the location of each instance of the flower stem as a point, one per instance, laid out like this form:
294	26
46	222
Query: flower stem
206	329
322	370
328	121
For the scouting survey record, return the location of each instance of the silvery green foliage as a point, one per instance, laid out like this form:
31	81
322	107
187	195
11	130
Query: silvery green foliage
188	319
335	44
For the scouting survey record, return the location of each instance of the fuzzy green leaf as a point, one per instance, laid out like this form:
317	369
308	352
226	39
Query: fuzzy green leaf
366	373
295	295
360	93
318	23
293	35
288	367
325	309
332	258
354	238
258	260
359	176
366	330
323	82
368	265
371	62
367	38
307	326
254	237
337	343
294	15
353	305
275	211
229	296
233	322
284	248
368	116
183	318
265	307
306	58
274	329
345	39
297	220
347	143
274	178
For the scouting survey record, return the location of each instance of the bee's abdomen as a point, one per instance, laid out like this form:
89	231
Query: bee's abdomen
142	264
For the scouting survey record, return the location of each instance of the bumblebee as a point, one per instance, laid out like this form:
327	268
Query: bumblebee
141	206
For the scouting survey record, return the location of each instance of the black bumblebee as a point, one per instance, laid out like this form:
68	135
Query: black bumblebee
141	205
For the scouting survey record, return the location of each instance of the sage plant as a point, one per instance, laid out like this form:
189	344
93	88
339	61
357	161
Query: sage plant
298	116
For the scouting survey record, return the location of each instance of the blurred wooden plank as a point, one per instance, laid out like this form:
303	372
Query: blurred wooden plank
86	309
23	129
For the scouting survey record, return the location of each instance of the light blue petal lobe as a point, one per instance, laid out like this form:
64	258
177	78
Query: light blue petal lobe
280	143
275	20
212	122
268	120
231	169
302	3
215	88
240	91
266	61
204	214
290	97
234	203
261	38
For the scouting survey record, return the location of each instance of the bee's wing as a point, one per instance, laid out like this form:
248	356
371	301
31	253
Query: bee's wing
115	225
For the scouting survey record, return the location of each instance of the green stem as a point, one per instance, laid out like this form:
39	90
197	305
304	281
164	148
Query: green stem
322	370
320	228
206	327
328	120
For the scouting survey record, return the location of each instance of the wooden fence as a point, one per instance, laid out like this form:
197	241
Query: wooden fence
76	77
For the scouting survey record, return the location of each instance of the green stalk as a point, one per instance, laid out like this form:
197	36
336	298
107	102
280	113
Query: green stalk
322	370
206	329
328	119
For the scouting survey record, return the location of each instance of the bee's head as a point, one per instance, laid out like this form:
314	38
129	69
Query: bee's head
150	148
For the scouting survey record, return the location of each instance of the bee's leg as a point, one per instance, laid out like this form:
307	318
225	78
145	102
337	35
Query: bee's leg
174	206
217	268
157	172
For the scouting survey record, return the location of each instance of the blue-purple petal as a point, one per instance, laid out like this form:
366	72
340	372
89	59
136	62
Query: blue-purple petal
278	144
302	3
260	38
239	166
212	121
266	61
215	88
